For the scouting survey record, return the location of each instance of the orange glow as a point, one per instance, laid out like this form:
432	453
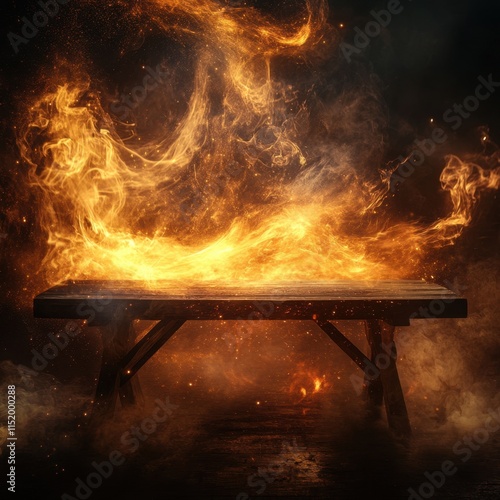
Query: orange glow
237	189
306	382
317	384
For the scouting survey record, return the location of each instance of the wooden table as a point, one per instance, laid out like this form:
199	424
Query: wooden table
383	305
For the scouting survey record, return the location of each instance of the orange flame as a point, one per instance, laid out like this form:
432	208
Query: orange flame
241	185
318	383
306	382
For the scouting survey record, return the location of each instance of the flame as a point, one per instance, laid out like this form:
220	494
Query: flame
247	180
306	382
317	385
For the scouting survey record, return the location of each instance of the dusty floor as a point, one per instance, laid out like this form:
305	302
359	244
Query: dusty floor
236	448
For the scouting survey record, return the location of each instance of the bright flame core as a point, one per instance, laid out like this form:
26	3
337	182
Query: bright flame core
250	182
306	382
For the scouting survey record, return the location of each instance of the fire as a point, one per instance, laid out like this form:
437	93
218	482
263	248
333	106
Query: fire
245	180
306	382
317	384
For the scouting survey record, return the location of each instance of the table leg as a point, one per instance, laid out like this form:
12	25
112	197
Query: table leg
373	382
117	338
122	359
387	385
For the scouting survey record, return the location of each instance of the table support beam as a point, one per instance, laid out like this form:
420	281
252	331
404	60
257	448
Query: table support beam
117	338
381	375
147	347
347	346
121	360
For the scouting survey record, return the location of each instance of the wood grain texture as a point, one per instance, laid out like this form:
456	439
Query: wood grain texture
393	300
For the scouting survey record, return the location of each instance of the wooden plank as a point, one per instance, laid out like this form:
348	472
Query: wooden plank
297	290
392	300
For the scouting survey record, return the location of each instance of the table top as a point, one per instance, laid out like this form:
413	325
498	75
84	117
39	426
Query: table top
393	300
